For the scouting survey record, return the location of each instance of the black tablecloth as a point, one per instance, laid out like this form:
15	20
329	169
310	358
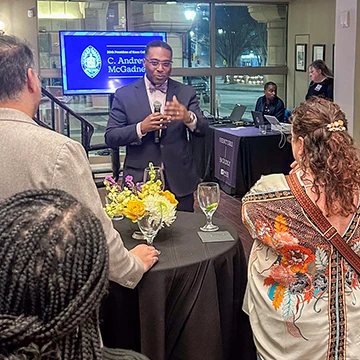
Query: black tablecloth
189	304
203	150
257	155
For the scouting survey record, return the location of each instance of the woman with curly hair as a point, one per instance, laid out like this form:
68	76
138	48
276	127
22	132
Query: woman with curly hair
53	276
303	294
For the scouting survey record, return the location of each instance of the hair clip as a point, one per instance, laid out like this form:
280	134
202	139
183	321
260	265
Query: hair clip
336	126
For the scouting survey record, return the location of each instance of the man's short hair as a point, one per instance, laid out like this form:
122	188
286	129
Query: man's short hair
16	57
269	83
158	43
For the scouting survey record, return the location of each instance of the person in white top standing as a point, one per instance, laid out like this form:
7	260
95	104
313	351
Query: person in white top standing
157	118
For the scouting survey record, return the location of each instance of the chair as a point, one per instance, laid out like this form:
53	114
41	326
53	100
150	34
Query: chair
287	115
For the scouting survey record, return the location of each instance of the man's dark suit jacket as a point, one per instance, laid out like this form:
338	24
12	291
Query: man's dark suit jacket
130	106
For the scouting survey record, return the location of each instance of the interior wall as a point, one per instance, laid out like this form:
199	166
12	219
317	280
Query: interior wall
309	22
15	13
347	67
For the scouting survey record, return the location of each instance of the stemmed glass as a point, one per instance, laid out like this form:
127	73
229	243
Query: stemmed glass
159	175
208	194
149	224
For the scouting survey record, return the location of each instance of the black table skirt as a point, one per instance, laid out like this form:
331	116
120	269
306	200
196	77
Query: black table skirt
257	155
188	306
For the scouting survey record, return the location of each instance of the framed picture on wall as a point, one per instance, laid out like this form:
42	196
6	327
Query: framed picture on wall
300	57
318	52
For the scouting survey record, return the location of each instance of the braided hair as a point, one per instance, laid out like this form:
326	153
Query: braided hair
53	275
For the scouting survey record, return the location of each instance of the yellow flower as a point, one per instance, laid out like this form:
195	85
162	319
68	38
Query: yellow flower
133	200
170	196
113	209
135	208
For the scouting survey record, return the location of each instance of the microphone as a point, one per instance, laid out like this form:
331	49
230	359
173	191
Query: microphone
157	107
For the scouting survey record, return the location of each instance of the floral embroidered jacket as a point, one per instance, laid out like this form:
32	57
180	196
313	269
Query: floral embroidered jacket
302	297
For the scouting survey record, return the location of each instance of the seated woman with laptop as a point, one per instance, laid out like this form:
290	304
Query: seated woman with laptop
269	103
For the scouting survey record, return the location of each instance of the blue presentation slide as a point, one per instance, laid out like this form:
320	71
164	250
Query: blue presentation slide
101	62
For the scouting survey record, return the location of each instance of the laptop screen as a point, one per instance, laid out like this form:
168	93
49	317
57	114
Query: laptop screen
276	125
258	118
272	119
237	112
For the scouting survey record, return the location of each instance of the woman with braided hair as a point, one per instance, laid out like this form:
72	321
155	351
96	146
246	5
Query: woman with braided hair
53	276
303	293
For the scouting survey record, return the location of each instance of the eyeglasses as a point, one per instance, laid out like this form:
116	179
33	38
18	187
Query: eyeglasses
156	63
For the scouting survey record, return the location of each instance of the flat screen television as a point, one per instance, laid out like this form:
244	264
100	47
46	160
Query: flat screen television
94	62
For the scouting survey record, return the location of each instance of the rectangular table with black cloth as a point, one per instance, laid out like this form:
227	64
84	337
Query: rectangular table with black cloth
188	306
256	155
203	148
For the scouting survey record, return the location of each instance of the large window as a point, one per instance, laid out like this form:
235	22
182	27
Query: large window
187	26
244	90
54	16
63	15
201	84
226	51
250	36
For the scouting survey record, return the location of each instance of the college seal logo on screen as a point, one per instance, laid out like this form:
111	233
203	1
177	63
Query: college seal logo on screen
91	61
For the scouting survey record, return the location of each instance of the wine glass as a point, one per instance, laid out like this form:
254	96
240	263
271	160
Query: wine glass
149	224
208	194
159	175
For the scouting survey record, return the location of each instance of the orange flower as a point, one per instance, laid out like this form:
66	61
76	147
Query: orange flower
169	196
297	257
280	224
284	238
264	233
283	275
135	208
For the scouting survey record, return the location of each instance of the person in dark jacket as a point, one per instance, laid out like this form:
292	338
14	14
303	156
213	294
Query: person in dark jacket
322	81
134	123
270	104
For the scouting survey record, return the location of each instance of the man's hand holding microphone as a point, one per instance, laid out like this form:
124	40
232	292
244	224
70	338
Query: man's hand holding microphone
155	121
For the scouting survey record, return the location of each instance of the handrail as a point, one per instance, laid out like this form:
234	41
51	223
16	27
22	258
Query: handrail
87	129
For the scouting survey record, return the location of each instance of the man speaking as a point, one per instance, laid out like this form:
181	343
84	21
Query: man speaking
157	118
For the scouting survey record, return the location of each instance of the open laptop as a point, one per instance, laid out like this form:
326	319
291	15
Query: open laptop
236	113
259	119
276	125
